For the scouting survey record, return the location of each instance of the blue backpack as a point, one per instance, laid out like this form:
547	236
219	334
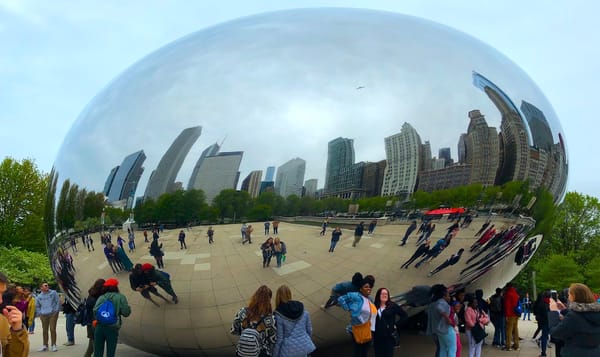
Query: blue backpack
106	313
519	308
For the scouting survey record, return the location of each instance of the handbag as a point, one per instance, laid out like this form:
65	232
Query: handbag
362	332
477	332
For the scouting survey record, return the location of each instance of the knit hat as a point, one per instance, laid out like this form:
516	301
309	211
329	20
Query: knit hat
147	267
111	282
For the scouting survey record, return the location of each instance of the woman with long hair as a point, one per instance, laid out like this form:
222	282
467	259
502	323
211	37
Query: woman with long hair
386	323
474	315
579	329
267	251
93	293
258	315
294	328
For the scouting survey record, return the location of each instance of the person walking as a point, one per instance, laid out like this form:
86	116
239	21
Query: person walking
47	307
409	230
157	252
390	316
540	311
258	316
294	328
105	334
421	251
358	233
335	238
579	329
362	316
210	233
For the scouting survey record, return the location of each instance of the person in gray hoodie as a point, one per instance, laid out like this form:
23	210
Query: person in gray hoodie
294	328
579	329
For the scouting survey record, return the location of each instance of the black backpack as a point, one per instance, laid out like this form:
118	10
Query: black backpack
82	316
496	304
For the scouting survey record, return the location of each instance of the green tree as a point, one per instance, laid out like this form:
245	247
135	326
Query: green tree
22	197
25	267
232	203
558	271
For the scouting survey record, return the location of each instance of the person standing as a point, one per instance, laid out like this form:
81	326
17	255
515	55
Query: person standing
526	303
14	340
497	318
30	309
362	316
243	232
258	315
409	230
511	300
335	238
47	307
181	239
439	323
69	312
267	251
275	227
372	227
157	253
386	323
473	315
280	250
323	228
579	329
93	293
267	227
210	233
108	334
358	233
540	311
294	328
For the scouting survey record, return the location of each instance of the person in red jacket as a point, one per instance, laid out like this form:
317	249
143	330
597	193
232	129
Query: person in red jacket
511	300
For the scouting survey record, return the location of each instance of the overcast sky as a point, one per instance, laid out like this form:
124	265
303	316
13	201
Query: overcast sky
55	56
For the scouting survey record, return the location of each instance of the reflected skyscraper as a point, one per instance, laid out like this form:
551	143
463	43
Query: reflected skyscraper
163	177
251	183
127	178
209	151
290	178
402	153
482	150
444	153
218	173
109	180
540	129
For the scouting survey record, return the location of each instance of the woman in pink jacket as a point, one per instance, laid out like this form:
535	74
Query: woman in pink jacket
472	316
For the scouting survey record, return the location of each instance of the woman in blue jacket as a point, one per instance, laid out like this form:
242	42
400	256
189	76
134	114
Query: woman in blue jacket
294	328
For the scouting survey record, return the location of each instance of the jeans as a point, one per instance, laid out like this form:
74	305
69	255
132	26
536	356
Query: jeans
526	312
70	325
499	330
544	339
332	246
448	343
278	257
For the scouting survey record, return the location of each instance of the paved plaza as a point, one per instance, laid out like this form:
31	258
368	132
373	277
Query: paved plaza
213	281
412	345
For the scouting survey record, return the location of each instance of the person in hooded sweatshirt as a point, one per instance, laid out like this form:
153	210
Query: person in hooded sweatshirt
579	328
294	328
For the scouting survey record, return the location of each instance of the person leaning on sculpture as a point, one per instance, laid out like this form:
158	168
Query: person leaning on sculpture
579	326
14	339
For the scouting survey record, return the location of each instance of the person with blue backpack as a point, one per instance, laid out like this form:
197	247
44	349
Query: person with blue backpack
109	308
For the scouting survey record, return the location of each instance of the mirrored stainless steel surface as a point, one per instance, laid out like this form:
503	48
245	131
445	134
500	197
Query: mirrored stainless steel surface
344	103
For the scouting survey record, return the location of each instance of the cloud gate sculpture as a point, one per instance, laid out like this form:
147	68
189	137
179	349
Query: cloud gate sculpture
317	106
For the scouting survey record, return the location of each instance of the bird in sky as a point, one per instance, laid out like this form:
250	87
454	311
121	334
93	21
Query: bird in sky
359	87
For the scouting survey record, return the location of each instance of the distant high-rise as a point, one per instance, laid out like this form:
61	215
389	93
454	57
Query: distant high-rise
218	173
109	180
482	148
270	173
251	183
290	178
340	156
372	178
127	178
209	151
163	177
310	187
444	153
402	152
514	134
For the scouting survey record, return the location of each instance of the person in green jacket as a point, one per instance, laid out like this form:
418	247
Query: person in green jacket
109	334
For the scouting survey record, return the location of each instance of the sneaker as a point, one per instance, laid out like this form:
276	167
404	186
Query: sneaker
54	348
69	343
43	349
507	349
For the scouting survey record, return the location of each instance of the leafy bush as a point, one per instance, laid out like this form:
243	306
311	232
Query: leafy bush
25	267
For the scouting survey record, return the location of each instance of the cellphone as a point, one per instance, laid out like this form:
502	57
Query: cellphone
554	295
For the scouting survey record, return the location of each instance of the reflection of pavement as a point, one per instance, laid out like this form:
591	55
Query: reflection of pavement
412	345
214	281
